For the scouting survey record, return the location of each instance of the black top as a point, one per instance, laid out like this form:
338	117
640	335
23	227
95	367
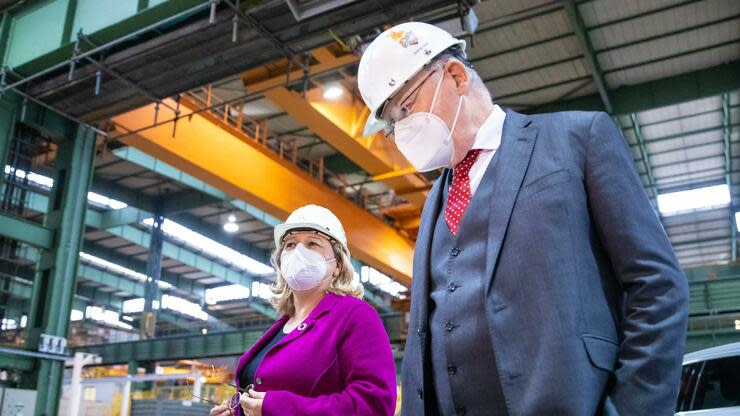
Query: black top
246	376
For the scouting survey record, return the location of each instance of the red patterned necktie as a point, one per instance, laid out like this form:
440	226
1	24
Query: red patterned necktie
459	195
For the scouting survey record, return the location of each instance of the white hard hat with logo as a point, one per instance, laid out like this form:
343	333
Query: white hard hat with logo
312	218
395	57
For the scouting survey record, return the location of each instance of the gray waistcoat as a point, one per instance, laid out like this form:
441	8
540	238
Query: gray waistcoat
466	380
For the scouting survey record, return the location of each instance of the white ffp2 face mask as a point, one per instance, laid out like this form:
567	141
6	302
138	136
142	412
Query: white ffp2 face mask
302	268
424	138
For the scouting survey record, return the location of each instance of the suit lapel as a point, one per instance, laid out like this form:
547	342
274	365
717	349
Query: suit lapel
517	143
422	252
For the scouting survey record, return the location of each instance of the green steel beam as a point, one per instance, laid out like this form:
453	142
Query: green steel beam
663	35
216	233
530	69
30	52
142	159
185	256
522	47
698	340
54	285
191	289
25	231
681	117
679	149
690	160
97	297
213	344
133	235
124	216
141	238
8	109
132	288
130	196
644	154
683	134
726	137
672	56
658	93
15	362
579	28
714	296
713	272
47	122
542	88
643	14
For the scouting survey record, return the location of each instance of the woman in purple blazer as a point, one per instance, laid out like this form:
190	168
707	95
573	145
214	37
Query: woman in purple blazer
329	353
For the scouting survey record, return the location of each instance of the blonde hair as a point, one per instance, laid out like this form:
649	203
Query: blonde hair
341	284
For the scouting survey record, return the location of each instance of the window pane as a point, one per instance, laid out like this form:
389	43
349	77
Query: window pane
719	385
689	374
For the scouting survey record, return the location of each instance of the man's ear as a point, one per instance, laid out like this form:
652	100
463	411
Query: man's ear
459	74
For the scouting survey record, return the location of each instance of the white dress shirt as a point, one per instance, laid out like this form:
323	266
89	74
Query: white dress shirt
488	138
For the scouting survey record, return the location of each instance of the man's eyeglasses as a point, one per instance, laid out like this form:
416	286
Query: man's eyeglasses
233	403
392	112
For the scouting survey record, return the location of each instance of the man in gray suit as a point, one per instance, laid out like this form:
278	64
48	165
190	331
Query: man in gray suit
544	283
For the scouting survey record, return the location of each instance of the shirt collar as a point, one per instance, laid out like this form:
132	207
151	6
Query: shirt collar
488	136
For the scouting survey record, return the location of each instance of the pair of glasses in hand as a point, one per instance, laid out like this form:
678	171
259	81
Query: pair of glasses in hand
233	403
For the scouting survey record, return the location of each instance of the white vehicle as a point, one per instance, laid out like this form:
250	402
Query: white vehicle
710	382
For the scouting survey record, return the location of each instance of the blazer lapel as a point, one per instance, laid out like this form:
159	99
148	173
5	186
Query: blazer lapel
321	309
277	326
517	143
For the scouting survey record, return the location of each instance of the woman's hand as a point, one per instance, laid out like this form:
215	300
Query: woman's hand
251	403
222	410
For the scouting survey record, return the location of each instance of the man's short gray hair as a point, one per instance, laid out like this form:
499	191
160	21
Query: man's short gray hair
456	52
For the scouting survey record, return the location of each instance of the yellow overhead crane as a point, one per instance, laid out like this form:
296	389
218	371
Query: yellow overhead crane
339	123
229	159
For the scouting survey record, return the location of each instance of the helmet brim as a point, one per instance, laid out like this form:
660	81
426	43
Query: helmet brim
281	230
373	125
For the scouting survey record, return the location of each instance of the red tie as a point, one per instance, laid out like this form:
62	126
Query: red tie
459	194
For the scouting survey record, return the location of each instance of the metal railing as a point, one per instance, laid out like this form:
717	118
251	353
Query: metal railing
232	115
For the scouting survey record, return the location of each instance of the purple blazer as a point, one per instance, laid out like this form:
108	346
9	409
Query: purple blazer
338	362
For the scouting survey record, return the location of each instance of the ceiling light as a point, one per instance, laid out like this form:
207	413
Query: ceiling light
200	242
333	92
232	218
693	199
231	227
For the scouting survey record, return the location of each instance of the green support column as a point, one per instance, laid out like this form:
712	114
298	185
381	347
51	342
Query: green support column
8	109
54	285
133	367
153	273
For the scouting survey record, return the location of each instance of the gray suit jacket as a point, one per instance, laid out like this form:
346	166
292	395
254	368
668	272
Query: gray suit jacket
586	304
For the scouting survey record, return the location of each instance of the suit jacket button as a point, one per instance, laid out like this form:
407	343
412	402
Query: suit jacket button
451	369
451	287
449	326
258	380
420	394
455	252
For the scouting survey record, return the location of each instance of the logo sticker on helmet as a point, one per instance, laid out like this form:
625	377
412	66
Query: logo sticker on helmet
404	38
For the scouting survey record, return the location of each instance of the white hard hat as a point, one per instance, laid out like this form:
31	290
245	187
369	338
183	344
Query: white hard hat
395	57
315	218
